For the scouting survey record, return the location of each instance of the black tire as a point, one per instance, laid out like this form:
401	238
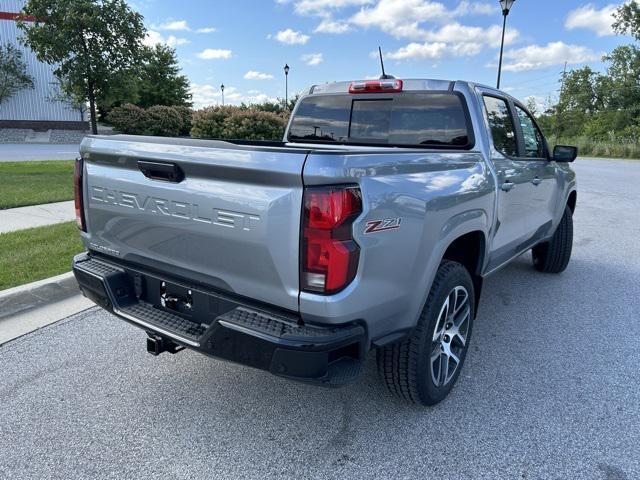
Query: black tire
406	367
553	256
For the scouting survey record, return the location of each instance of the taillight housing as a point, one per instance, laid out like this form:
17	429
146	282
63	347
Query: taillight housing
376	86
77	188
329	259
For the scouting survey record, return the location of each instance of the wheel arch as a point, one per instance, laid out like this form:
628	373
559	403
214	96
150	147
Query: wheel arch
469	250
571	201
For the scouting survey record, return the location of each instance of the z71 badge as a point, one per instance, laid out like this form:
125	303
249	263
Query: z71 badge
375	226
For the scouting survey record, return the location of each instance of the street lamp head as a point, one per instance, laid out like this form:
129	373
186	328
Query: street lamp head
286	69
506	6
222	87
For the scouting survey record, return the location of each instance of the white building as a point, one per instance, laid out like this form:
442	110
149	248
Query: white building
41	108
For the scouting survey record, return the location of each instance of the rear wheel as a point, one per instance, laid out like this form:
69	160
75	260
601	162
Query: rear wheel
423	368
553	256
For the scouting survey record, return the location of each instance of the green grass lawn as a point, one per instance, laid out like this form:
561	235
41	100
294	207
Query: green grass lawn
37	253
33	183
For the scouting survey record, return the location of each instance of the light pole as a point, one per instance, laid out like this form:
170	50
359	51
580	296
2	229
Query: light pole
286	86
506	7
222	89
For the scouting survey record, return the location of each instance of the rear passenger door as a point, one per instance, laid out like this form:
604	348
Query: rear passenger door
516	219
533	151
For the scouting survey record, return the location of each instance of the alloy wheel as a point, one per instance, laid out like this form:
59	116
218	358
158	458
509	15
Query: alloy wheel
450	336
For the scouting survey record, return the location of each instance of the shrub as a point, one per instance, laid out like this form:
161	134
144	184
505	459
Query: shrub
253	125
615	147
163	121
185	114
209	122
237	123
128	119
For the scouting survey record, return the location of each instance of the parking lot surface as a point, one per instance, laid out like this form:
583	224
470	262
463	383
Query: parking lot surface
550	389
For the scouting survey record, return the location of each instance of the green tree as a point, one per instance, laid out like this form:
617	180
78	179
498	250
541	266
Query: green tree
89	41
13	72
160	82
532	106
122	89
628	19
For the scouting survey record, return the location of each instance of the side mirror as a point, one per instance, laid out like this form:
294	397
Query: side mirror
564	153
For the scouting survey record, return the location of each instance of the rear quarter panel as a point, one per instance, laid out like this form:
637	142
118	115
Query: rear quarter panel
437	196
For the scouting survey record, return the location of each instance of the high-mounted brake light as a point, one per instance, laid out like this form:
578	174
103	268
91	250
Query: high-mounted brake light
329	252
376	86
77	187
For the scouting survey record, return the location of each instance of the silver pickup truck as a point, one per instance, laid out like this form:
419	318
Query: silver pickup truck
371	226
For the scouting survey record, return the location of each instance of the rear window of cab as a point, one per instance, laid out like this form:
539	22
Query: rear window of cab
428	120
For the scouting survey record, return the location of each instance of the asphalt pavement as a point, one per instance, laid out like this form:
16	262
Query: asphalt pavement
12	152
550	389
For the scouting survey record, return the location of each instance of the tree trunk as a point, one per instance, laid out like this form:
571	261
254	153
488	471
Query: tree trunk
92	107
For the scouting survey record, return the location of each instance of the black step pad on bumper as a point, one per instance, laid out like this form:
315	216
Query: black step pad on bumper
237	331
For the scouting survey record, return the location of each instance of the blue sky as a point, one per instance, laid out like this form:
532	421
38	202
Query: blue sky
245	43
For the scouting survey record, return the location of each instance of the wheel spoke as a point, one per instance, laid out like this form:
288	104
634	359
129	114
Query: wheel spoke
461	296
444	369
442	320
456	360
460	325
436	357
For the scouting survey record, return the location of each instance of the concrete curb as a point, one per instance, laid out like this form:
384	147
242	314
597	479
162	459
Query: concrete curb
25	297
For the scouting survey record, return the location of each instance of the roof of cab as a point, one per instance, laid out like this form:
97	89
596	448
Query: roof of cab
410	84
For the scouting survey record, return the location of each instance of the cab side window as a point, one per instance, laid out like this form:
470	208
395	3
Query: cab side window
533	141
501	125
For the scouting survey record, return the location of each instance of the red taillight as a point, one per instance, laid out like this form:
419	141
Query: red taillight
329	252
77	187
376	86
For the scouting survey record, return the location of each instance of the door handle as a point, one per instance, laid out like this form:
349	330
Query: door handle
169	172
536	181
506	186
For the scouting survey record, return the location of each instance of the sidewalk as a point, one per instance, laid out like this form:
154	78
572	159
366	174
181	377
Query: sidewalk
12	152
20	218
26	308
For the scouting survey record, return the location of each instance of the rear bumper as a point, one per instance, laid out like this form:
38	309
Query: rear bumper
222	326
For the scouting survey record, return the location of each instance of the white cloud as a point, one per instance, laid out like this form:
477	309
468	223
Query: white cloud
205	95
257	97
253	75
153	37
534	57
323	7
455	40
313	59
173	41
461	34
292	37
400	18
589	17
179	25
331	26
405	19
420	51
215	54
476	8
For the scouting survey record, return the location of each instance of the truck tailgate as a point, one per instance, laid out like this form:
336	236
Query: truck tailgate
232	222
